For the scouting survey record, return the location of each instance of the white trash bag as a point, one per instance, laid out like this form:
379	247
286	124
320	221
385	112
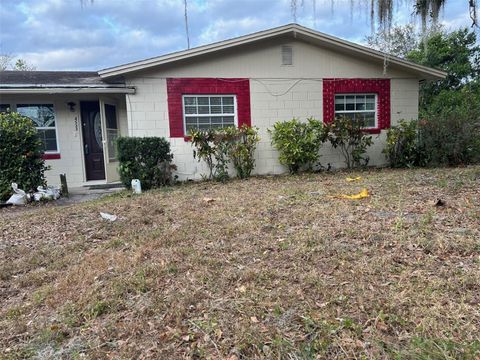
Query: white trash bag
19	198
48	193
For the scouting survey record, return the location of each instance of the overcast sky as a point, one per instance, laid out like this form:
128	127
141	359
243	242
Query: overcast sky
64	35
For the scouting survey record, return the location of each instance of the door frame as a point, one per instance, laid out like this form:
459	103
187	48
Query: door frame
102	100
111	166
82	144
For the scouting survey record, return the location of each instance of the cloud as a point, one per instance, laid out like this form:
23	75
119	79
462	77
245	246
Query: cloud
64	35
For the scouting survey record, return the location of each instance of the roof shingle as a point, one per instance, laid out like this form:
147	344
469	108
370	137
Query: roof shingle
56	78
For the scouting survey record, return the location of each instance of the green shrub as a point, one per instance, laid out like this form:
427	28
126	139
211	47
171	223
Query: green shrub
449	132
352	140
218	147
402	148
241	149
211	147
145	158
298	143
20	155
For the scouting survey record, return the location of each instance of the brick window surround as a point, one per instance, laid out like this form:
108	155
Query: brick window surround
381	87
177	87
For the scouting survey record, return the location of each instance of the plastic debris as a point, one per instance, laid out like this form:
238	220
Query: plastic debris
362	194
109	217
350	179
136	186
19	198
47	193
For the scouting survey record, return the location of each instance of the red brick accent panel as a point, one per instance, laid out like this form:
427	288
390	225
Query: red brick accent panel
176	87
48	156
381	87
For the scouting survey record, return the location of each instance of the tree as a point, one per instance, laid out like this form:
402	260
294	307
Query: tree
382	10
456	53
20	64
398	41
5	61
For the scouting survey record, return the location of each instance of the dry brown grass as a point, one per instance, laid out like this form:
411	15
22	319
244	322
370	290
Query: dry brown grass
273	268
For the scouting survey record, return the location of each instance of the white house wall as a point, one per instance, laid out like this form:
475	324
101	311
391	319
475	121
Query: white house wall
276	93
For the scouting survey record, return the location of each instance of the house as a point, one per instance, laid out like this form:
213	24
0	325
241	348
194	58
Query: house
257	79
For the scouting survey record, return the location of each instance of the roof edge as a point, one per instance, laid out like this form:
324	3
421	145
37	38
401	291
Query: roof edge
199	50
66	90
294	29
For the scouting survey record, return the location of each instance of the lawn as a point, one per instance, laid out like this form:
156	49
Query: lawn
271	267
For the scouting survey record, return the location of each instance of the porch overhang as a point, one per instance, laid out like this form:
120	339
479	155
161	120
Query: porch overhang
12	89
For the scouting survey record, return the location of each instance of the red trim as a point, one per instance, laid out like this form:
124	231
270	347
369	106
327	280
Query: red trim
381	87
206	86
51	156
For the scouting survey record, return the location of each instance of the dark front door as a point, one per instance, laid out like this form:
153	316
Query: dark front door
92	140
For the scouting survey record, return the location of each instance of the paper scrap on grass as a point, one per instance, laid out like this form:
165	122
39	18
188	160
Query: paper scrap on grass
362	194
109	217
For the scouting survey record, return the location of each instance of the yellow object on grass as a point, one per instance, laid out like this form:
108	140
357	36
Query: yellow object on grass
362	194
350	179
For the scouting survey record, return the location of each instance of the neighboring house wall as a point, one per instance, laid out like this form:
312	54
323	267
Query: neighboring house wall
69	134
277	92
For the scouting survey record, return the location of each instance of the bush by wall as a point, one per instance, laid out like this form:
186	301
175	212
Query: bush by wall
401	147
298	143
210	147
219	147
145	158
20	155
447	134
351	139
241	149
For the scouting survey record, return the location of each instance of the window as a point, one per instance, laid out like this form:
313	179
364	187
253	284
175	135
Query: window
112	130
202	112
43	116
358	107
4	108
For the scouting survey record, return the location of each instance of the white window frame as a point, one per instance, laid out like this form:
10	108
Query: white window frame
235	112
358	111
44	127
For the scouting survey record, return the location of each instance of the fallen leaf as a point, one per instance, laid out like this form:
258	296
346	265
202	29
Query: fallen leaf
242	289
209	200
254	319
